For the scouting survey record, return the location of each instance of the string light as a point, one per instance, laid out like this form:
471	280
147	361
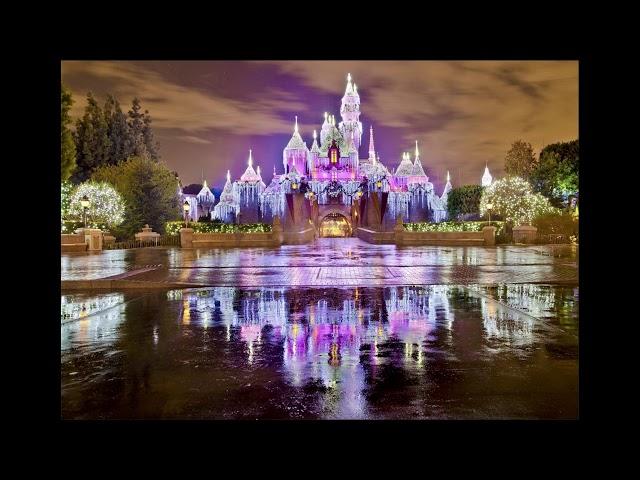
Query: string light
513	199
106	205
173	228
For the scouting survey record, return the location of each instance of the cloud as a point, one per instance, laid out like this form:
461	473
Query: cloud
192	139
188	109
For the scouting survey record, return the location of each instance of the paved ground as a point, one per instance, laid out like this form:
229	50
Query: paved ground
340	262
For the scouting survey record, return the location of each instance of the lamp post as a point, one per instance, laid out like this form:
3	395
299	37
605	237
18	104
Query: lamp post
186	207
85	206
489	207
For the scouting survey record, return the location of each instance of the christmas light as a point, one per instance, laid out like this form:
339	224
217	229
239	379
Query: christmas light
105	205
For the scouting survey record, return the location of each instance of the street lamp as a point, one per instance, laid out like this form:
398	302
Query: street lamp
489	207
85	206
186	207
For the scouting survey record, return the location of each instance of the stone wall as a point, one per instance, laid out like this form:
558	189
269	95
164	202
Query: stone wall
400	236
374	236
74	242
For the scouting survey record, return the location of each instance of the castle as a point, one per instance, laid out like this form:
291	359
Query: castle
331	172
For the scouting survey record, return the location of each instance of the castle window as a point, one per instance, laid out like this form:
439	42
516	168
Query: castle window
334	156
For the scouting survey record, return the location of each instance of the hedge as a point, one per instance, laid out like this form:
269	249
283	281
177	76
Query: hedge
453	227
173	228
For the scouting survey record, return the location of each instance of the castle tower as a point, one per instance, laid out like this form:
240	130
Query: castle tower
296	152
350	112
372	149
314	154
326	128
486	178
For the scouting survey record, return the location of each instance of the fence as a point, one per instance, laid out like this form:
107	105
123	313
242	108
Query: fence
163	241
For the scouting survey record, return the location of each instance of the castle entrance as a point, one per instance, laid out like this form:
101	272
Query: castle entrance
335	225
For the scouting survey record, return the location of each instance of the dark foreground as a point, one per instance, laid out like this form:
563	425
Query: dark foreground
438	351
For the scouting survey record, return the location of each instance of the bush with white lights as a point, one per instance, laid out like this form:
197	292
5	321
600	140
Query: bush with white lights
106	206
512	199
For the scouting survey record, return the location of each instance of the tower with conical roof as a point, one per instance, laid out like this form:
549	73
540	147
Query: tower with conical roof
206	199
372	148
296	152
486	178
350	126
447	188
417	174
227	208
246	192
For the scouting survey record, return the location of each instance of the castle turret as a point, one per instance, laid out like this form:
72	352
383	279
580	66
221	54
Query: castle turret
350	112
372	149
296	152
486	178
447	189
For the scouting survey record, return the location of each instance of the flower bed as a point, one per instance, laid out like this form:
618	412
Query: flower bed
173	228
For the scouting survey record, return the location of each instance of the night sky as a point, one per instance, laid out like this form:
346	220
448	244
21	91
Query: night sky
207	115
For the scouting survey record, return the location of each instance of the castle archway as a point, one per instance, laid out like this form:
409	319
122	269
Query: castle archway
334	225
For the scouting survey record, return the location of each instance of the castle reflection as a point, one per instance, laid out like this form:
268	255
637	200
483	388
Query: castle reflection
332	334
336	352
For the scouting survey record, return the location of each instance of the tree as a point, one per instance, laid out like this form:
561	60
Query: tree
92	140
119	135
512	199
67	146
520	160
150	192
137	129
464	200
556	174
149	139
106	205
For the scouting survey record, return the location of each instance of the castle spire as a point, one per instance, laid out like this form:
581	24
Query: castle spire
250	159
228	176
372	150
486	178
448	177
417	152
295	129
349	85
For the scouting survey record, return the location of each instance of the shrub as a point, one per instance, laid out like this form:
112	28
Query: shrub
563	223
512	199
464	201
106	206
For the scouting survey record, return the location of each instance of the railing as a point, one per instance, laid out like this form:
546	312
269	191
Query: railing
162	241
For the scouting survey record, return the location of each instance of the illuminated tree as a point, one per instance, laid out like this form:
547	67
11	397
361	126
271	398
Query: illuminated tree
106	206
513	200
149	189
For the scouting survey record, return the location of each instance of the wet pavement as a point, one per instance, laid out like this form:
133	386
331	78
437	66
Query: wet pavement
378	332
434	352
327	261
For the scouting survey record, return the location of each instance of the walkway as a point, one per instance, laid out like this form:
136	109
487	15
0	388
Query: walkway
329	261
